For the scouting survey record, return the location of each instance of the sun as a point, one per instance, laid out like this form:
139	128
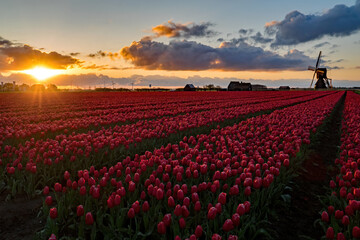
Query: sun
42	73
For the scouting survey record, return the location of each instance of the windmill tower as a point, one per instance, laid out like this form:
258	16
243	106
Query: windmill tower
321	75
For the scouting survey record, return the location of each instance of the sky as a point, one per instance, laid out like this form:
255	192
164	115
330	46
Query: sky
92	43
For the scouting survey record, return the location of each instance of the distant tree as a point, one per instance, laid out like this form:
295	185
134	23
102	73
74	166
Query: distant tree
37	88
211	87
8	87
52	87
24	87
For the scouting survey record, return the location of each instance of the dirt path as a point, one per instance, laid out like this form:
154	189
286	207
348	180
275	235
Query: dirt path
18	218
297	220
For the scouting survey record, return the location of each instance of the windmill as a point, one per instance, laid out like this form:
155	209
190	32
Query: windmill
322	80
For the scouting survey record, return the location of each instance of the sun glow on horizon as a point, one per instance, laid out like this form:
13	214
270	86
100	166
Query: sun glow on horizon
42	73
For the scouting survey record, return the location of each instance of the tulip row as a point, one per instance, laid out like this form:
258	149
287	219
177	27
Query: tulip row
207	186
84	149
341	219
63	119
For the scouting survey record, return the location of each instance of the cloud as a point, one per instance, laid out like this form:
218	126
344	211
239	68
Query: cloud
319	45
19	57
74	54
244	31
258	38
298	28
190	55
178	30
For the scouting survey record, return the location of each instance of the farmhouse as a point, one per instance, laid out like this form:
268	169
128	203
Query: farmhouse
239	86
189	87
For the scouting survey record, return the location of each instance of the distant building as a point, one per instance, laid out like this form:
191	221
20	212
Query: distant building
258	87
284	88
189	87
239	86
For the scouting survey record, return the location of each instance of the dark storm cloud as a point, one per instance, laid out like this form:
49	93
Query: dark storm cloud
297	28
19	57
177	30
230	56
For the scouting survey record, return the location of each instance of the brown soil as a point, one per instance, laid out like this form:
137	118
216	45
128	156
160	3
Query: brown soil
18	217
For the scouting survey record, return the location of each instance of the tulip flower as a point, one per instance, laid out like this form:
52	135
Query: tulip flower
53	213
80	210
330	233
198	231
182	223
48	200
161	228
228	225
89	220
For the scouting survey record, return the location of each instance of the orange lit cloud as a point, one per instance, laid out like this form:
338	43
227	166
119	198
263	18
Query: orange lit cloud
15	56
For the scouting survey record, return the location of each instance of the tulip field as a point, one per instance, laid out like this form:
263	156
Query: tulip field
171	165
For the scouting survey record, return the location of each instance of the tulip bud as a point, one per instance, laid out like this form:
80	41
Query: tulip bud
228	225
330	233
161	228
198	231
356	232
53	213
182	223
80	210
89	220
48	200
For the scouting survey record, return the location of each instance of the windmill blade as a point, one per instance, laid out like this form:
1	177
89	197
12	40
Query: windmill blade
312	79
318	61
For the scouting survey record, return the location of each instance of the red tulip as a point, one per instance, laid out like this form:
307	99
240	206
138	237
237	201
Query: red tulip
58	187
145	206
182	223
48	200
80	210
216	237
159	194
356	232
330	233
222	198
66	175
180	195
198	231
212	213
233	237
241	209
167	219
52	237
324	216
171	202
236	219
89	220
345	220
228	225
53	213
161	228
197	206
340	236
339	214
131	186
46	190
178	210
131	213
